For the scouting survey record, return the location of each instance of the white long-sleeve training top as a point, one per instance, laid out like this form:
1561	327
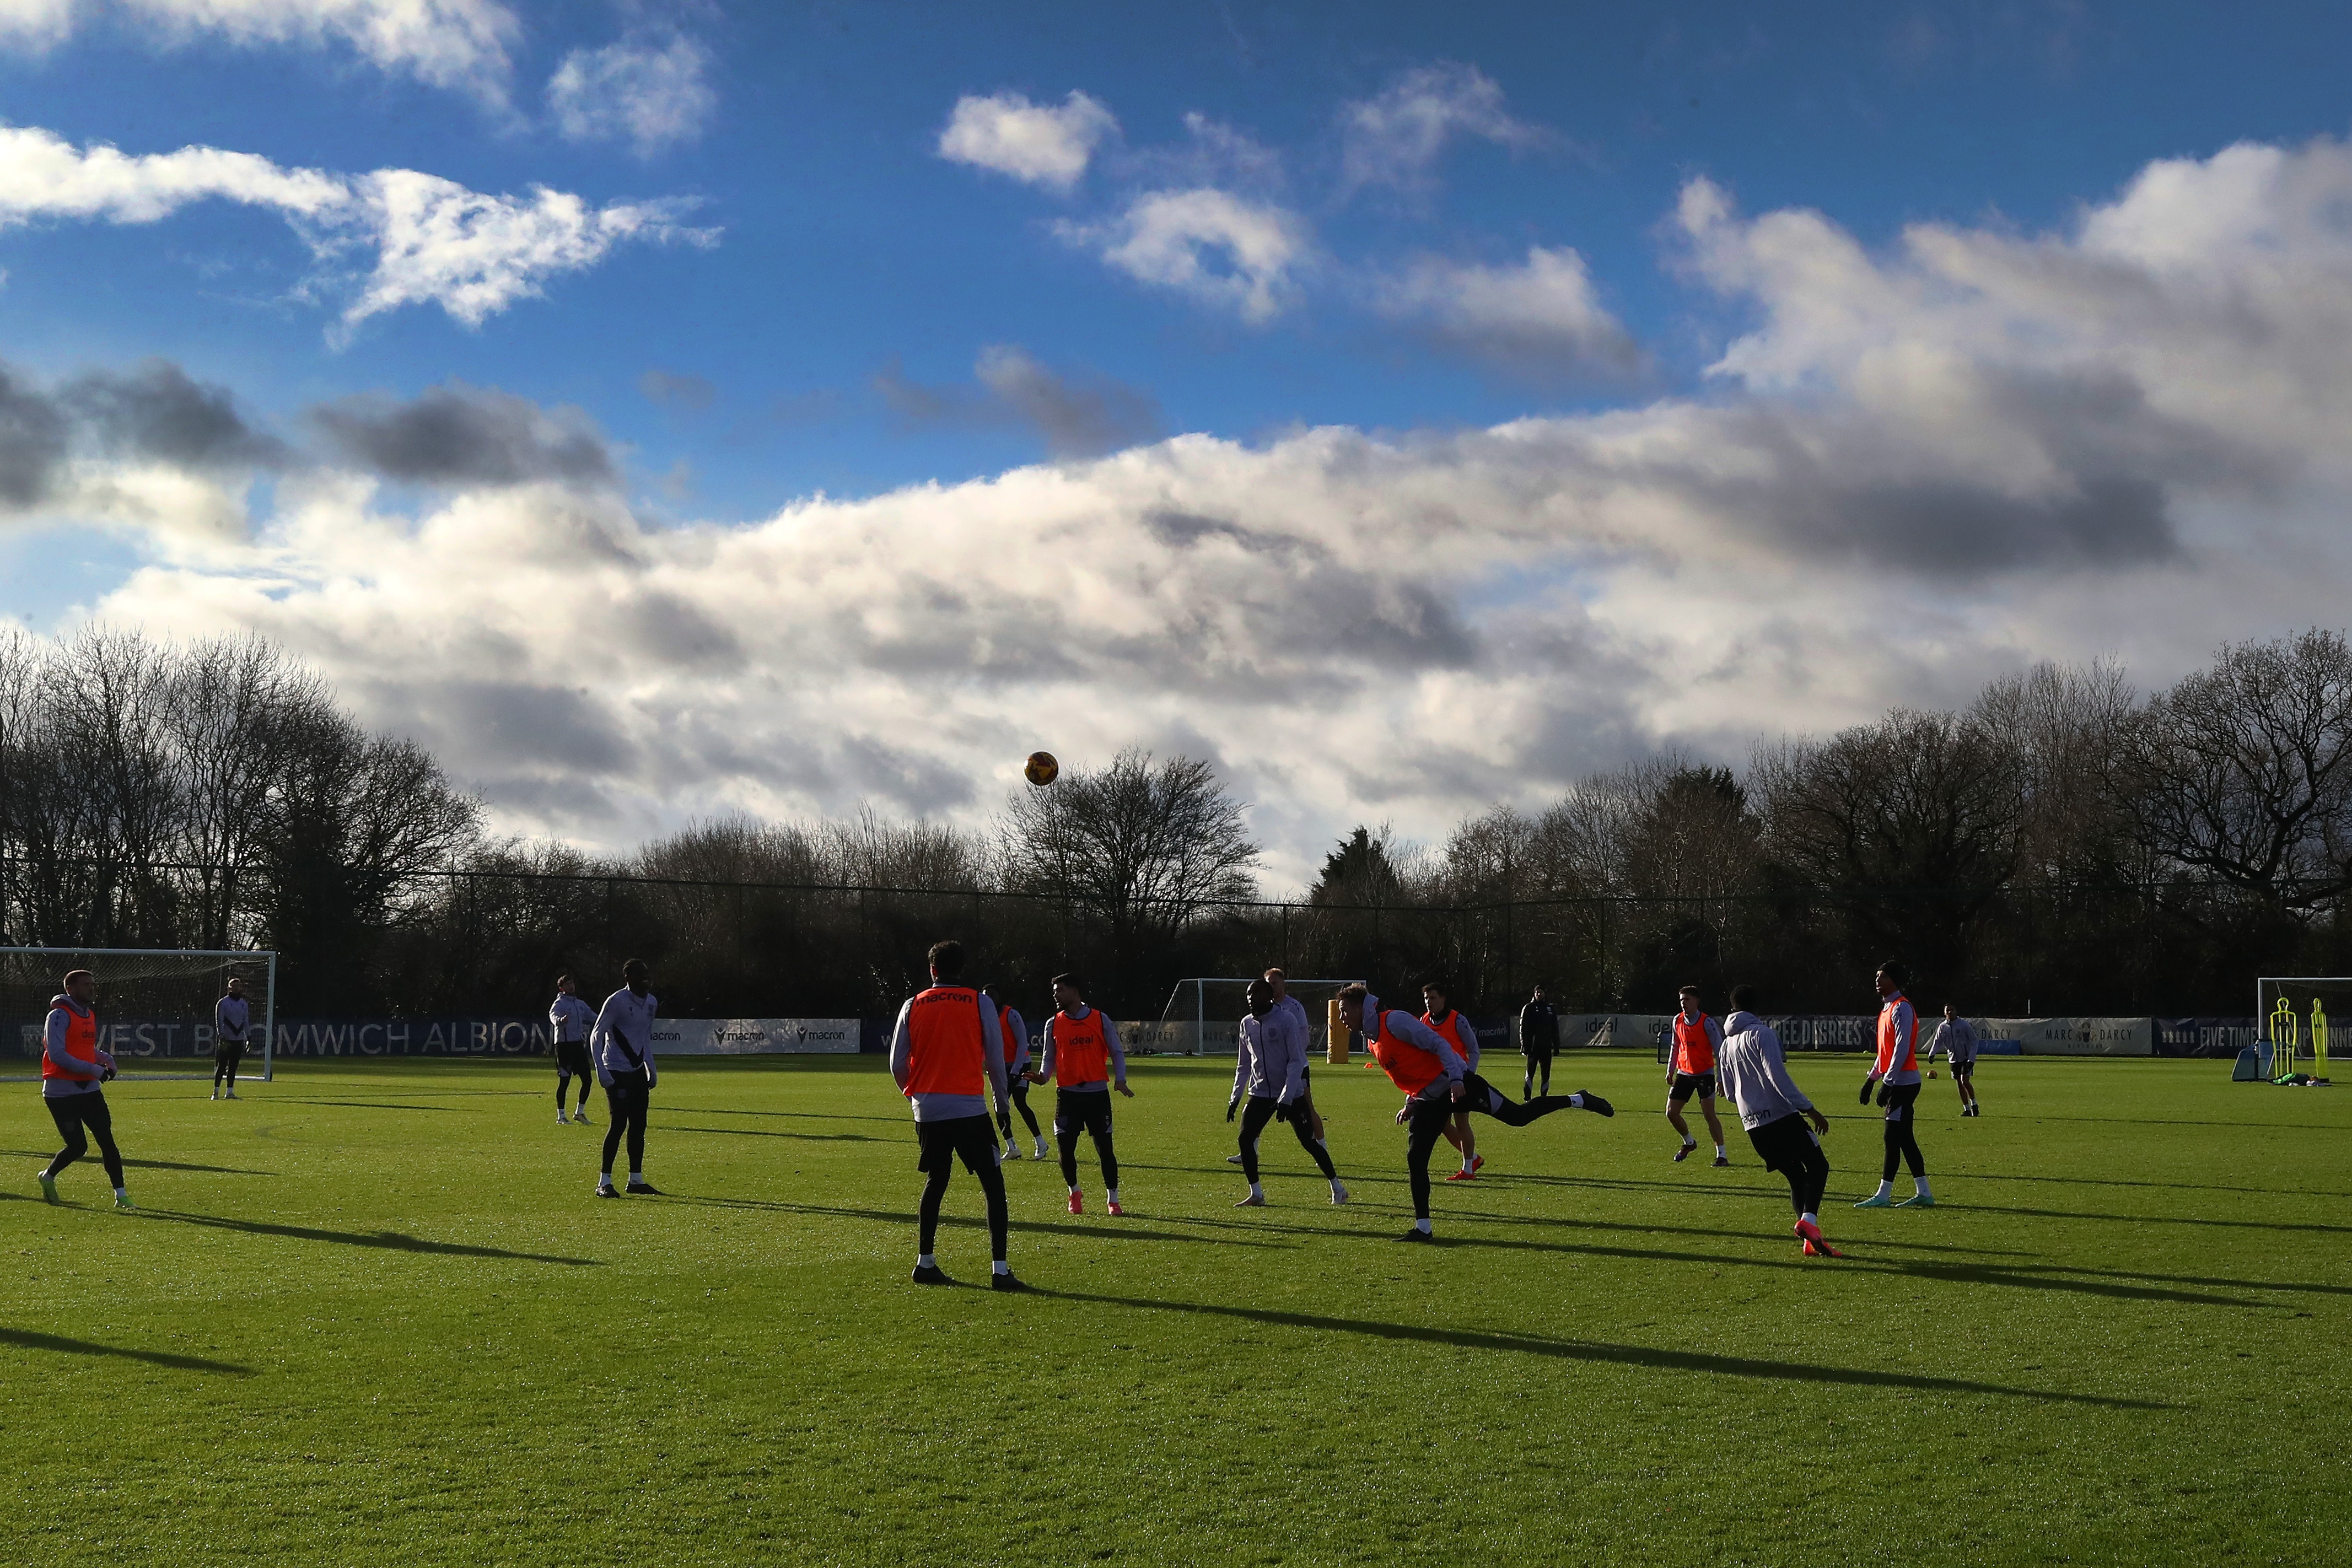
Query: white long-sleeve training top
570	1019
1272	1059
1750	1067
624	1018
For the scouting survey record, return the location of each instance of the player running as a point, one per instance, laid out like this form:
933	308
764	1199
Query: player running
947	1053
621	1045
1895	1075
1271	1072
1690	1071
1084	1058
1463	1035
1538	1039
1420	1061
72	1067
1754	1071
568	1020
1015	1031
1956	1039
232	1027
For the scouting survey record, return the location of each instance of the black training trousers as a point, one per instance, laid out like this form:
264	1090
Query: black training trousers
967	1138
225	1061
74	1113
1257	1112
1902	1143
1433	1113
626	1100
1538	1057
1088	1110
1018	1094
1789	1147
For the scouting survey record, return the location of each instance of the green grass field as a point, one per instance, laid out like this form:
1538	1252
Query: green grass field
369	1314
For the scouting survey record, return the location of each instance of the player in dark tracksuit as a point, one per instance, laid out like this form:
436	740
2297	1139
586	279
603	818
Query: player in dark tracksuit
1538	1039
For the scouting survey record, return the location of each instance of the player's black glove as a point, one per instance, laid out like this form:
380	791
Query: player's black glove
106	1075
1282	1113
1236	1100
1867	1085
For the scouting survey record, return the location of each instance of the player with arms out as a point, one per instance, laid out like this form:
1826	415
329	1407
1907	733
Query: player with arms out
1690	1071
568	1020
72	1067
1085	1060
1956	1039
1271	1069
947	1055
1894	1073
232	1030
1015	1031
1754	1072
621	1045
1421	1063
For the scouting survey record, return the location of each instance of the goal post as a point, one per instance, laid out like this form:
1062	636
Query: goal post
1202	1003
155	1007
2291	1015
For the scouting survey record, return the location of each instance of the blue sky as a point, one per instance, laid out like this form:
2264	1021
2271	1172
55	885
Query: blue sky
813	297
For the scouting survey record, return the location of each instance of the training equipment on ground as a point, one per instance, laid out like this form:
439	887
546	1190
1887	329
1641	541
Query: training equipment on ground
155	1007
2292	1012
1040	769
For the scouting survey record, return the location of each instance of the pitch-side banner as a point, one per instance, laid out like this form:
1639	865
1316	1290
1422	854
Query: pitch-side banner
753	1037
2068	1036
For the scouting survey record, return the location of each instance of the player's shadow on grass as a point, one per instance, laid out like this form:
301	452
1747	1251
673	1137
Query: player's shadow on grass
2292	1225
802	1116
389	1240
361	1104
1109	1229
764	1133
26	1339
2159	1185
1600	1350
145	1164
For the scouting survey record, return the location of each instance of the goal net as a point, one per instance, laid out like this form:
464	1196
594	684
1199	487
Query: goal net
155	1007
1203	1013
2294	1014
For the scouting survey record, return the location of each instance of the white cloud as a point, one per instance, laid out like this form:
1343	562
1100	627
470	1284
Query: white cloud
1922	466
434	241
652	95
1396	138
1036	143
1542	315
1218	248
459	44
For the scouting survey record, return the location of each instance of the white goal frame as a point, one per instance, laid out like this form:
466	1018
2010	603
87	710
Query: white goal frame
265	956
2317	1045
1200	984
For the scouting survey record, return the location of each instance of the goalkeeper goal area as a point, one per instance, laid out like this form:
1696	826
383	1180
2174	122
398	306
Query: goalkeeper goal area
2294	1013
154	1006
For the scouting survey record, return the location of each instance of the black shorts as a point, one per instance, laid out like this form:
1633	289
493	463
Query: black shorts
572	1057
1964	1069
1079	1110
970	1138
1899	1098
1688	1083
228	1050
1784	1145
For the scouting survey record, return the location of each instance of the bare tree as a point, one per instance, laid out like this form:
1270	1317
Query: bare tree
1141	845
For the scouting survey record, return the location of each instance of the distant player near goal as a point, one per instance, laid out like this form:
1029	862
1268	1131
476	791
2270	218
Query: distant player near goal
1754	1072
232	1025
1085	1060
72	1067
1956	1039
1015	1031
1692	1071
1421	1063
568	1020
1271	1070
947	1055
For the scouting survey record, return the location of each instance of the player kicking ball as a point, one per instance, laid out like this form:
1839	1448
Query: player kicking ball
1692	1071
1084	1058
1754	1072
1272	1072
947	1055
1894	1073
1436	1084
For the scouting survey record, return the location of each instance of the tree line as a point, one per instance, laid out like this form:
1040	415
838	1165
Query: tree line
2063	844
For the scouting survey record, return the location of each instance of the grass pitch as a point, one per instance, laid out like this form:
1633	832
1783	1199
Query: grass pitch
368	1313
